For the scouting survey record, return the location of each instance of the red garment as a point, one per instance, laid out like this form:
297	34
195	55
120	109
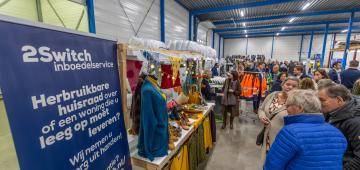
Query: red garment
133	69
167	81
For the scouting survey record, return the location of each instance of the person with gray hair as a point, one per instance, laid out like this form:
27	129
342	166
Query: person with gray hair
323	83
306	141
342	110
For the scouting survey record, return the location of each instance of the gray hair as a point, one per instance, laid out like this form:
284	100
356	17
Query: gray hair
325	83
305	99
338	91
293	78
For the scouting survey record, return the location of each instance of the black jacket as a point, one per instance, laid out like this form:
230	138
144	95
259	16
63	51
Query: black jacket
333	75
347	120
276	86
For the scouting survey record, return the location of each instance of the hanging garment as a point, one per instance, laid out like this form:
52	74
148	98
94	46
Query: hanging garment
263	87
153	133
181	160
192	148
136	109
167	78
213	125
133	69
201	154
207	134
182	72
175	66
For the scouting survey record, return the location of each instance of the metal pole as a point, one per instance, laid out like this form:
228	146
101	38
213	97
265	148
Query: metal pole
301	47
91	16
219	48
247	43
213	39
348	36
310	46
324	46
223	47
272	47
195	28
190	30
162	20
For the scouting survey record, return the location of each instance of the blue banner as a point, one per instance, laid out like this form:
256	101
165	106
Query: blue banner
62	98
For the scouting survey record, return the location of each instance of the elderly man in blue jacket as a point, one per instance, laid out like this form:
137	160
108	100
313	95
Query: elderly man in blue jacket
306	142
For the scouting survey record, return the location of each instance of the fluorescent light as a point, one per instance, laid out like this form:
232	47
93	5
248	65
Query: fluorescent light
283	28
246	35
244	24
242	13
245	31
344	31
292	20
277	34
306	6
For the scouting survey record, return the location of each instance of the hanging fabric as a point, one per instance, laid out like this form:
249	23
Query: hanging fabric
175	67
133	69
181	160
167	77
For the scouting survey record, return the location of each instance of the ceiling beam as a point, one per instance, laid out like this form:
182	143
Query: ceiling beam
286	32
241	6
303	14
284	25
282	35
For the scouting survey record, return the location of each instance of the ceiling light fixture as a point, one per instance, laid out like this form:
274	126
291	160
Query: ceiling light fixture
242	13
306	6
246	35
244	24
344	31
277	34
245	31
283	28
292	20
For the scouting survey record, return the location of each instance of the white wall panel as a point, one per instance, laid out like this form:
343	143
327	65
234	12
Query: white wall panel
112	21
260	46
176	21
202	34
286	48
209	39
235	46
216	45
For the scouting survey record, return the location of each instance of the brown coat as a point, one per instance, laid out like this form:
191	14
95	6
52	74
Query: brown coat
230	98
276	124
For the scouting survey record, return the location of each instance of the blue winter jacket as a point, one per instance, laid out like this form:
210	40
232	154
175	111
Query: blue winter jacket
306	142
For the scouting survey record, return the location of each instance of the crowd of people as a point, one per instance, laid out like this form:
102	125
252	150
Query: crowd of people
311	119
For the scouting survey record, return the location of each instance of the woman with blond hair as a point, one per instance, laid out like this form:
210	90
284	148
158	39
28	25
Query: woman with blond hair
271	114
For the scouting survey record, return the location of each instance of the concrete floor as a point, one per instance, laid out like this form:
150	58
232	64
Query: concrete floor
235	149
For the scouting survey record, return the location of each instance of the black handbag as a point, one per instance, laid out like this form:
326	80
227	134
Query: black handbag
260	136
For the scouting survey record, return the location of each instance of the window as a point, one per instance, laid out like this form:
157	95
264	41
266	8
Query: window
70	14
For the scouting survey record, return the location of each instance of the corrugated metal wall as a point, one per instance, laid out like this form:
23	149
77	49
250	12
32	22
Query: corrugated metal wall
176	21
112	21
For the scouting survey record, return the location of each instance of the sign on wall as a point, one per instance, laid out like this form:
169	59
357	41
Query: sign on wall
62	97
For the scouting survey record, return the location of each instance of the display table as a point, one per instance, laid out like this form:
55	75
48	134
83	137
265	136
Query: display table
160	162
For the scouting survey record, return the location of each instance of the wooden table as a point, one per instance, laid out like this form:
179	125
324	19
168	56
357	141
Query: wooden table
160	162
